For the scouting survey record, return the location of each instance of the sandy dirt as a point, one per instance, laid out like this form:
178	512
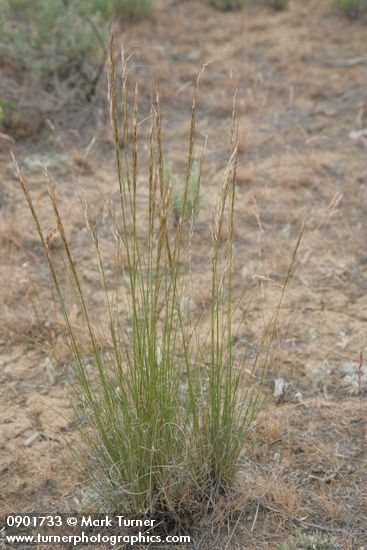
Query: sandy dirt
301	78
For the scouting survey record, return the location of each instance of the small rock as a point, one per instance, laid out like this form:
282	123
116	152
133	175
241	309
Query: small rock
280	387
276	457
358	134
37	436
299	396
194	55
51	369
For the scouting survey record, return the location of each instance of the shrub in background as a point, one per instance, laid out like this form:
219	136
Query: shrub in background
226	5
278	4
122	8
60	35
352	8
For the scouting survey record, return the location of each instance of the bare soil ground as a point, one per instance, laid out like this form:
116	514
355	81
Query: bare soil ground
301	77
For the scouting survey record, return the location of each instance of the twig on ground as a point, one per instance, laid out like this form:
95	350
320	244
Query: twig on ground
255	518
353	62
301	521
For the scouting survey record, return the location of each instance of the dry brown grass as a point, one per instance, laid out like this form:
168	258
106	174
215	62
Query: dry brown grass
297	108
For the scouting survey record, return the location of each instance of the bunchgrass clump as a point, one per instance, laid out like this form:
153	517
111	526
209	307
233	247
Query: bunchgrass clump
167	405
